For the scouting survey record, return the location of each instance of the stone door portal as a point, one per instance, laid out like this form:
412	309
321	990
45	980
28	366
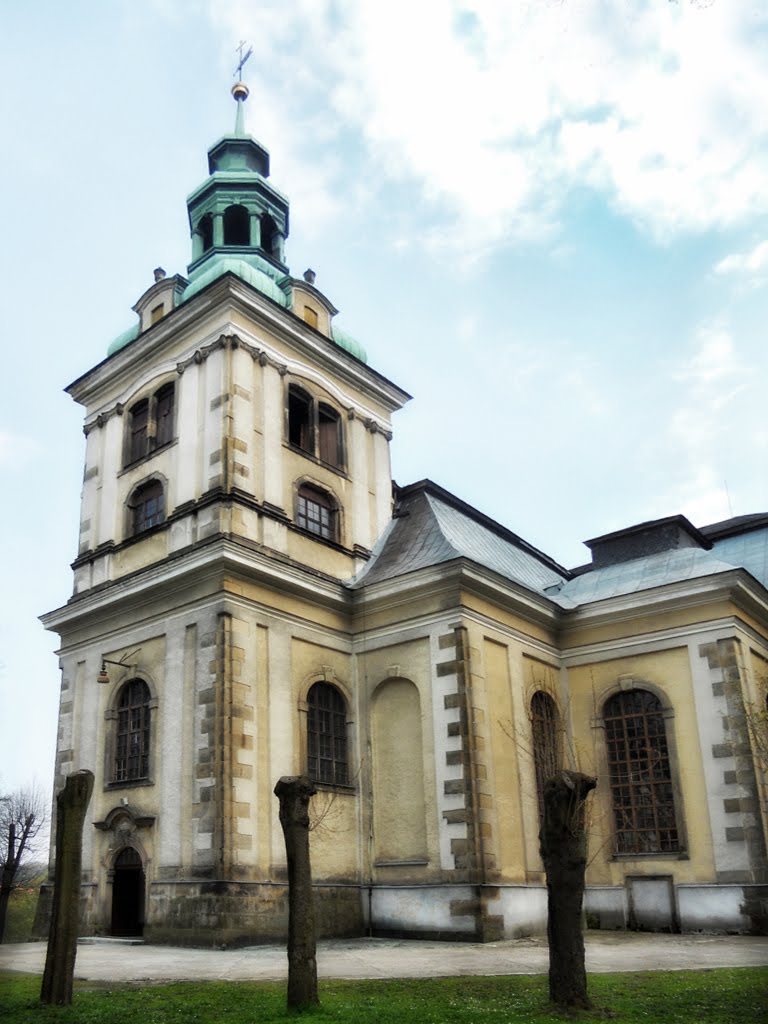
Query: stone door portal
128	893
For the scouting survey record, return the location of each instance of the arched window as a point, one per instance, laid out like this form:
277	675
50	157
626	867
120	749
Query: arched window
164	415
329	435
327	735
150	424
205	227
316	512
547	742
147	507
237	226
268	232
139	420
640	774
315	427
132	739
300	417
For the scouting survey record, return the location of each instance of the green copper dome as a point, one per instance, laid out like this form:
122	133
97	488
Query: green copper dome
219	265
123	339
350	344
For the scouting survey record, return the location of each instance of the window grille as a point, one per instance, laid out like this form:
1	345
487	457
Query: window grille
640	774
315	513
132	746
327	735
147	507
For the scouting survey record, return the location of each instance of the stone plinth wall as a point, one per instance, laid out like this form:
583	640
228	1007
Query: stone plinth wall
205	913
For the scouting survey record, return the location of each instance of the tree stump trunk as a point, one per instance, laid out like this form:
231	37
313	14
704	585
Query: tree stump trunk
71	805
563	842
294	793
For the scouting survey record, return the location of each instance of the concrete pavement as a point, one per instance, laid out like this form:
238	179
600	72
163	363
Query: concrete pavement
115	960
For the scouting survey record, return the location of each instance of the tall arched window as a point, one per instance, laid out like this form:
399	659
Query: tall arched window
132	739
547	742
205	227
327	735
315	427
147	507
237	226
329	435
139	421
268	232
150	424
300	431
163	403
640	774
316	512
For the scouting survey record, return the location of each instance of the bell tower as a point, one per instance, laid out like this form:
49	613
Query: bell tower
237	476
237	211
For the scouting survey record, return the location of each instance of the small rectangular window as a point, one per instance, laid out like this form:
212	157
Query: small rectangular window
157	313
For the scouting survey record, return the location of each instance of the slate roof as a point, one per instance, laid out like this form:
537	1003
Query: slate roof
656	570
432	526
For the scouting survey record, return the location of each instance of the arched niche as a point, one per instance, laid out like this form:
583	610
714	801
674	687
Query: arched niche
399	805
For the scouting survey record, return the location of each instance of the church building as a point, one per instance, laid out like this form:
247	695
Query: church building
254	598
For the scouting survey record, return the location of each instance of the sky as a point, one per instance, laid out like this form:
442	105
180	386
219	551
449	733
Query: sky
546	220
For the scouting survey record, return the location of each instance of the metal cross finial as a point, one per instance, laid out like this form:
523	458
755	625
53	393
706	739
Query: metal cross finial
243	59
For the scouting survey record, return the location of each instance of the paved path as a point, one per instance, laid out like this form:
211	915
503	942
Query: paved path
105	960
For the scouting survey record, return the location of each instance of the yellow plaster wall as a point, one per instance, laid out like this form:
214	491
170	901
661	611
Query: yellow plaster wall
505	726
150	666
408	660
576	633
669	673
287	604
333	813
508	619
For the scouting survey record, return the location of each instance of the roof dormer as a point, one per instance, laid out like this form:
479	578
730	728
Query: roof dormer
310	305
159	299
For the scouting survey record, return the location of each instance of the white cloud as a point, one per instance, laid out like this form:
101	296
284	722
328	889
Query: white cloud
494	111
713	361
699	435
749	268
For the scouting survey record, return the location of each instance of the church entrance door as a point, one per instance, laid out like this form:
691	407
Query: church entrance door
128	894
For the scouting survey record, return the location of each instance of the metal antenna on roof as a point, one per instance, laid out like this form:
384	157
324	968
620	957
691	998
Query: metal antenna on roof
728	496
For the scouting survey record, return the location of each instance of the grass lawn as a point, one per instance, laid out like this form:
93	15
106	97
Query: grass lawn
728	996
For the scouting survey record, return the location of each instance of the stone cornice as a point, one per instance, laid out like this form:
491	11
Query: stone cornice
264	357
226	498
736	585
214	560
458	574
266	313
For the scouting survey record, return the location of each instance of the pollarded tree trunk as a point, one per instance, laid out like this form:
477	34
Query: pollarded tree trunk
294	793
563	841
6	878
71	805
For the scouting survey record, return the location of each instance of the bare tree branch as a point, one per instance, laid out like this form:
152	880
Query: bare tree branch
22	819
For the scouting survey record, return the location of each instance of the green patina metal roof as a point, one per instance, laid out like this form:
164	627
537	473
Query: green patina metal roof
350	344
123	339
219	265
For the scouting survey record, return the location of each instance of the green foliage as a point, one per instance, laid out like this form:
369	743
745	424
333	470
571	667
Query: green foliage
21	914
729	996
